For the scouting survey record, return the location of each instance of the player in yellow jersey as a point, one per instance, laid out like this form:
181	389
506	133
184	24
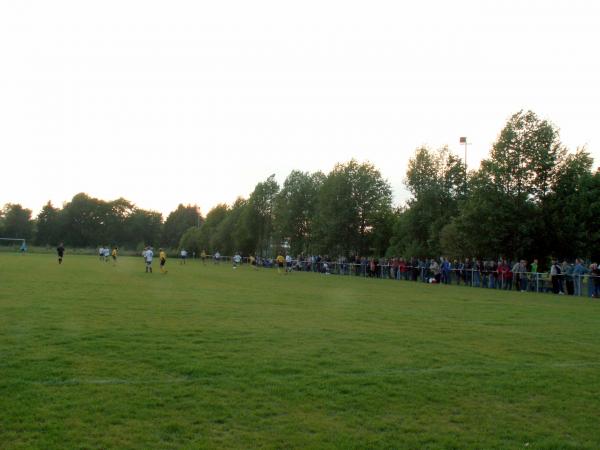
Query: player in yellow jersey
280	260
163	259
114	255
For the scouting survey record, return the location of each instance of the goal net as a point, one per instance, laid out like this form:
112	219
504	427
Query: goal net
19	243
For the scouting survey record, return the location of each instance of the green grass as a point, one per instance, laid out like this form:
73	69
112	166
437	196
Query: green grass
96	356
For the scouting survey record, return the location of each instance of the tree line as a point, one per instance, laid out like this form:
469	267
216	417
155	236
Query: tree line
89	222
530	197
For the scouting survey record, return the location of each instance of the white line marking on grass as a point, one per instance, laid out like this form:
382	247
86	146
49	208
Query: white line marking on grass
357	374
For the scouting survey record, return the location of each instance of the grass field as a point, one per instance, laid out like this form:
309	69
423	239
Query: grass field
96	356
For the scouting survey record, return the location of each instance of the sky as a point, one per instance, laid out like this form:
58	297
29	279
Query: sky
196	102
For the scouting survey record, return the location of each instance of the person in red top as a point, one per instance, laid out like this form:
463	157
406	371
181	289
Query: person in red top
504	275
402	268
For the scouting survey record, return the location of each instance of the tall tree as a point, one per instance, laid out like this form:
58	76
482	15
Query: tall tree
17	221
84	222
210	226
231	235
257	219
352	200
572	210
178	222
295	208
505	211
526	157
48	225
143	228
437	181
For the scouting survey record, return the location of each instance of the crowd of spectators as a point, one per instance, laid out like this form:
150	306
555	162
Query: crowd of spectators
562	278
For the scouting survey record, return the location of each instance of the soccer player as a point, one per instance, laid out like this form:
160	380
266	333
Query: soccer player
60	250
236	260
163	259
288	263
183	255
101	253
148	254
203	256
280	260
114	255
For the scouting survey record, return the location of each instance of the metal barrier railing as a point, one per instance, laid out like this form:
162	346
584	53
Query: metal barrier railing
539	282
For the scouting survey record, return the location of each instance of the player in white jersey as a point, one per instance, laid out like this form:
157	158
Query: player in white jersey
148	254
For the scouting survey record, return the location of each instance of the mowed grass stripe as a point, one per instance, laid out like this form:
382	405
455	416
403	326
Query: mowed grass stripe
96	356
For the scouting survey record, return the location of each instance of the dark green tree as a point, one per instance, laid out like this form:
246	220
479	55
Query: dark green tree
178	222
48	225
209	228
437	181
572	209
295	209
143	228
257	218
16	222
84	222
231	235
506	213
353	199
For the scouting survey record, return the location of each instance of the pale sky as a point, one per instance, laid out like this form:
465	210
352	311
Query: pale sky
195	102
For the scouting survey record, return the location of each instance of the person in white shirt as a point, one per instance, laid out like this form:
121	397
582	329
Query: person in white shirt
101	253
217	257
148	254
288	263
236	260
106	254
183	255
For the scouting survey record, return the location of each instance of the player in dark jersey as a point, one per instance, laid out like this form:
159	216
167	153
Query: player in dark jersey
60	250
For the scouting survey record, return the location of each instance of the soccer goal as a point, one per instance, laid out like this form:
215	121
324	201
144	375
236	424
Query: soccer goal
22	243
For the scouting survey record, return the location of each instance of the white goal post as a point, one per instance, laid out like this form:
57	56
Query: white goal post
22	242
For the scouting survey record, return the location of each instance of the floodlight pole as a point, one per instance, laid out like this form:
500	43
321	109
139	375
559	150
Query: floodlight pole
463	140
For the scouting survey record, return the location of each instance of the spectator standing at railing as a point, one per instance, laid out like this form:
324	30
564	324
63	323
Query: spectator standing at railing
493	277
457	267
413	267
468	272
394	268
504	275
476	272
534	285
423	269
520	274
445	271
434	269
578	273
555	273
595	273
402	269
485	273
567	270
590	280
